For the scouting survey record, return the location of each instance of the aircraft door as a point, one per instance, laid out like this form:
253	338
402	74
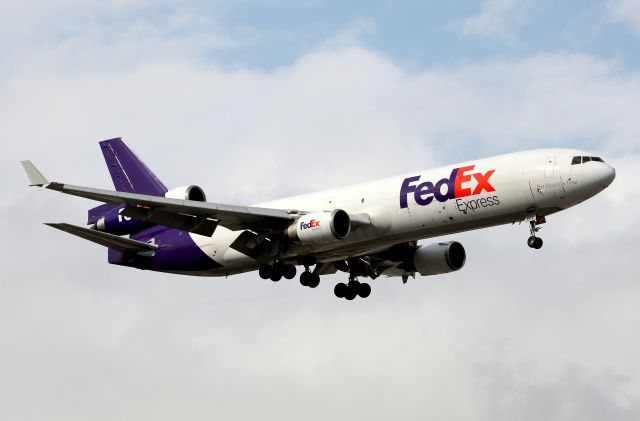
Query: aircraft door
549	167
545	188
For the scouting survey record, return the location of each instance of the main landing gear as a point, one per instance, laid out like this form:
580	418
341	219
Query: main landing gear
281	270
309	279
277	271
533	241
352	289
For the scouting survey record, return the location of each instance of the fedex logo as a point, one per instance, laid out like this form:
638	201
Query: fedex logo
314	223
456	186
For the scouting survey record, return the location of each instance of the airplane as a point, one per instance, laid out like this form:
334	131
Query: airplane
366	230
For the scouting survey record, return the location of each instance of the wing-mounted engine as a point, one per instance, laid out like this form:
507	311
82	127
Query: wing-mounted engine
436	259
194	193
320	227
406	259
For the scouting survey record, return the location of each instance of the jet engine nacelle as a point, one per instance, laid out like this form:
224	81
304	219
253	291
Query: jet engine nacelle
114	222
320	227
194	193
436	259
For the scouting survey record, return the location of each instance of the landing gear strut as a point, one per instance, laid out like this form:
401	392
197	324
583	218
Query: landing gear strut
533	241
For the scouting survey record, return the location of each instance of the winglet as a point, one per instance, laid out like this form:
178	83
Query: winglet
35	176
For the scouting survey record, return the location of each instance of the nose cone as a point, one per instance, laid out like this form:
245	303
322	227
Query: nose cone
608	175
600	175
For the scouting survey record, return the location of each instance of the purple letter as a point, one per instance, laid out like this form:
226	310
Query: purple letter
406	189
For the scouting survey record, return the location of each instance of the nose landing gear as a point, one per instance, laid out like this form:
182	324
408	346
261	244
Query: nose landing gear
533	241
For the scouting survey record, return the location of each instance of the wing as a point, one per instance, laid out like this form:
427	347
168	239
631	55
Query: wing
199	217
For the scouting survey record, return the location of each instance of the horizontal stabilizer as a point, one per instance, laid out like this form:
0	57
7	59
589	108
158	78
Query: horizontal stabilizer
35	176
105	239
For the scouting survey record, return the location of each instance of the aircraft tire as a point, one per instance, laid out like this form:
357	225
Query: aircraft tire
350	294
538	243
531	242
304	278
289	271
265	271
276	274
314	280
364	290
340	290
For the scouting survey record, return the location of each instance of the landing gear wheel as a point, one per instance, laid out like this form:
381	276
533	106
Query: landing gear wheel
364	290
340	290
276	272
534	242
314	280
305	278
265	271
352	290
289	271
351	293
275	276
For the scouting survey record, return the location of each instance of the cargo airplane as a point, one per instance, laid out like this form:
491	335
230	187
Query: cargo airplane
366	230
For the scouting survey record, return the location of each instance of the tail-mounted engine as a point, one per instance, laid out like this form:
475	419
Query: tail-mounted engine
116	221
320	227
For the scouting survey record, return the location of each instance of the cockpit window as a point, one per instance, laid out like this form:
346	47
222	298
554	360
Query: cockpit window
582	159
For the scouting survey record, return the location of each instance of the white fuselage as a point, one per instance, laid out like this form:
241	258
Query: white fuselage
497	190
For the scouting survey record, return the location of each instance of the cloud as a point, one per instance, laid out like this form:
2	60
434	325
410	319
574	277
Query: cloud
497	18
515	334
626	11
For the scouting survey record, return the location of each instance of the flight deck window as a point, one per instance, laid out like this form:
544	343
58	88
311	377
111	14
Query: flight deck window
595	158
586	159
576	160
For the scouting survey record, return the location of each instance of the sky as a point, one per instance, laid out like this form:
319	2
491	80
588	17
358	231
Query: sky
256	100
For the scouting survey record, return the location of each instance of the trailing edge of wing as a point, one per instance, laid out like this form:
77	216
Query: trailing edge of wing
104	239
231	216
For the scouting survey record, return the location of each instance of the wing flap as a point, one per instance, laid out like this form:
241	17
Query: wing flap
105	239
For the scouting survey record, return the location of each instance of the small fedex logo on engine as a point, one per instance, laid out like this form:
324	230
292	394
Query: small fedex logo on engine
314	223
461	183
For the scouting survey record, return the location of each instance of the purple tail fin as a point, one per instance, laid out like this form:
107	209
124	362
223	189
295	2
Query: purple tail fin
129	174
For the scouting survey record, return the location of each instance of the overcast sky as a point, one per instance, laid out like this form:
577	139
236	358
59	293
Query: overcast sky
255	100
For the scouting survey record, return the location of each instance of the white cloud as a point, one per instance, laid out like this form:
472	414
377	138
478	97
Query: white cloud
627	11
497	18
517	334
